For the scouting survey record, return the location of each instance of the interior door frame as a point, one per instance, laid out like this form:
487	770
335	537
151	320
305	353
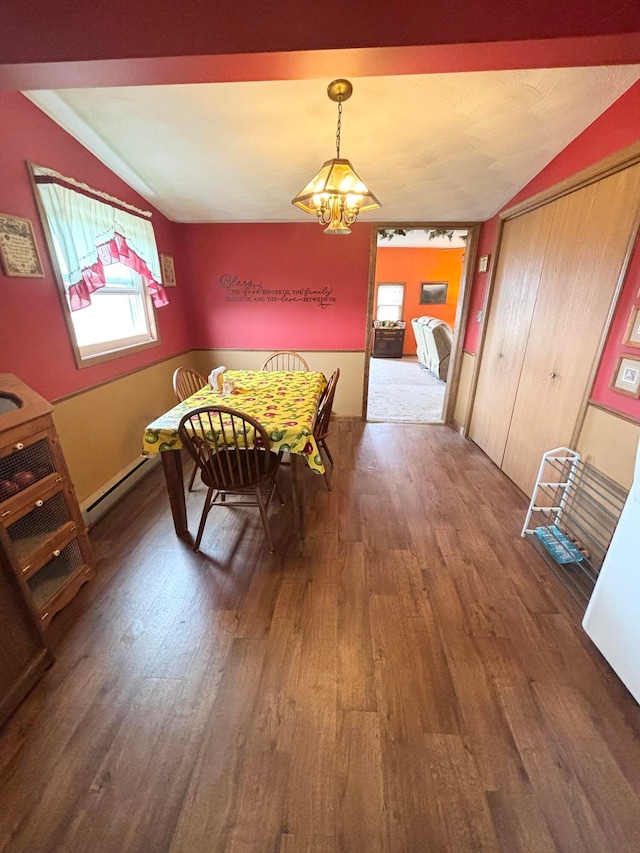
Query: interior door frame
622	159
462	307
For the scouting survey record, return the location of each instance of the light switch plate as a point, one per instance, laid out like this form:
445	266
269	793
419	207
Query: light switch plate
483	263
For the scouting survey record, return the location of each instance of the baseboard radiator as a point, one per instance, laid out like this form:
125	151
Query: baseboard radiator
101	501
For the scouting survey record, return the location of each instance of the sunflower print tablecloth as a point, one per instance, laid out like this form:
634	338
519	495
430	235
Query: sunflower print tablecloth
284	403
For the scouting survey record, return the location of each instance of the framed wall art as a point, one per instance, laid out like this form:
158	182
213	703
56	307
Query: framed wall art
18	249
626	376
632	335
433	292
168	271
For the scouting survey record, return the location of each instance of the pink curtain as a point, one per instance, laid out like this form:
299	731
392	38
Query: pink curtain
111	252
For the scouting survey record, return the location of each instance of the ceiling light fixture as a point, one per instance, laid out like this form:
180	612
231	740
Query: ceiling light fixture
336	194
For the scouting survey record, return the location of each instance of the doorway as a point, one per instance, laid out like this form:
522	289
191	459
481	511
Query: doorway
417	306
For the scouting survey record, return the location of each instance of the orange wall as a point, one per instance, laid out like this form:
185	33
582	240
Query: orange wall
413	266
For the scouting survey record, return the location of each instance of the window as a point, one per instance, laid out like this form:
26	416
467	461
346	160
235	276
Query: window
119	317
390	298
107	267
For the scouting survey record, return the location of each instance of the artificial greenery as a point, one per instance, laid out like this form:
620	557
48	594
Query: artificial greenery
432	233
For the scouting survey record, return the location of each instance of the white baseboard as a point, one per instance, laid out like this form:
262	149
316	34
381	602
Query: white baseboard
101	501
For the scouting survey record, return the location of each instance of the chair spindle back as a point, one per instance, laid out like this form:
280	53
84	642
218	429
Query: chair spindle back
321	428
286	360
231	449
187	382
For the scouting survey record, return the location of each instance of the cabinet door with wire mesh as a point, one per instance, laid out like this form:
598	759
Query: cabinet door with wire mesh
38	526
26	463
42	533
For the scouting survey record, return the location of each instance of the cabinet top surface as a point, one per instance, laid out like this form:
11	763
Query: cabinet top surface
21	403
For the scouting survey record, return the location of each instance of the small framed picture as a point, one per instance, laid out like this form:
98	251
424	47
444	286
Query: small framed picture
18	249
433	292
626	376
168	271
632	335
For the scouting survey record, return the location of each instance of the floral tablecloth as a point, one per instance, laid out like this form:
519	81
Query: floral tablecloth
284	403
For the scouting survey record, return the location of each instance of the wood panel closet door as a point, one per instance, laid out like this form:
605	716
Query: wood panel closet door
522	251
592	229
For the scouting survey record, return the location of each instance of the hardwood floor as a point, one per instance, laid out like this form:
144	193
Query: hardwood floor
410	677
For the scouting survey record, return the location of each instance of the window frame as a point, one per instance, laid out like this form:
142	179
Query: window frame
118	349
95	350
382	284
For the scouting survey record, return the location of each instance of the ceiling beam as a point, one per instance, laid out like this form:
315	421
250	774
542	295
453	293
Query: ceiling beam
68	43
300	65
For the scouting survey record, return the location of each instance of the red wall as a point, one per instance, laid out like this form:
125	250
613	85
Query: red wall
615	129
33	337
290	286
34	343
486	246
614	348
41	31
413	266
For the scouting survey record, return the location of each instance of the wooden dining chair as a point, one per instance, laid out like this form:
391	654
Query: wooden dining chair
287	360
185	383
233	454
323	419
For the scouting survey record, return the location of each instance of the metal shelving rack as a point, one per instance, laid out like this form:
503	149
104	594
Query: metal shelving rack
577	508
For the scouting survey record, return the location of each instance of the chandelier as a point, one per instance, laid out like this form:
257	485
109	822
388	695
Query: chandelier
336	194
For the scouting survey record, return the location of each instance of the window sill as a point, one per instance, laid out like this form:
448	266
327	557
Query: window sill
120	352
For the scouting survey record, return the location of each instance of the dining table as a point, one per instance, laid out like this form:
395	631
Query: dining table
284	403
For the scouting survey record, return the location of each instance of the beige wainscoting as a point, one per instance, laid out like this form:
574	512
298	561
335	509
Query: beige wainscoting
609	443
101	429
464	390
348	399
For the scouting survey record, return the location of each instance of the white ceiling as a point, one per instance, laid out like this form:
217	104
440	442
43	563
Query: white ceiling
433	147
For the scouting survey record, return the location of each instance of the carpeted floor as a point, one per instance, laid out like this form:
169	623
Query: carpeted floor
402	390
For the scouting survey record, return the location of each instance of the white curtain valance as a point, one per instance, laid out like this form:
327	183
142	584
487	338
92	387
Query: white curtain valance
92	232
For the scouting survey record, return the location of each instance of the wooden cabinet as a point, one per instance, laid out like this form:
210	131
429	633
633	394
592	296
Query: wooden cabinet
388	343
42	535
24	654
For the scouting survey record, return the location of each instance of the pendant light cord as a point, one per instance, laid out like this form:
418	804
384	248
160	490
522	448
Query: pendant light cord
338	130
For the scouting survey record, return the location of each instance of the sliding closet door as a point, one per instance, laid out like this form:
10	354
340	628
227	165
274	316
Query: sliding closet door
522	251
592	229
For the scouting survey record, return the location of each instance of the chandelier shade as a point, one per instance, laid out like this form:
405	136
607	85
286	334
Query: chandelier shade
336	194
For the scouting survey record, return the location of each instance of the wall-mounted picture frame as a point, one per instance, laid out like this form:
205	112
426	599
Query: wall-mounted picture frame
632	335
18	248
626	376
433	292
168	270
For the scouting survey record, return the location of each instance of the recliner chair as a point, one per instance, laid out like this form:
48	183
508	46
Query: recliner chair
433	338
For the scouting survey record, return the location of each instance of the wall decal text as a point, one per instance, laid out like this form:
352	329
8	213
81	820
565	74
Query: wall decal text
246	290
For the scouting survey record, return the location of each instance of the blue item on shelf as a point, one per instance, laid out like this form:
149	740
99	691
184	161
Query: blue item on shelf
558	545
